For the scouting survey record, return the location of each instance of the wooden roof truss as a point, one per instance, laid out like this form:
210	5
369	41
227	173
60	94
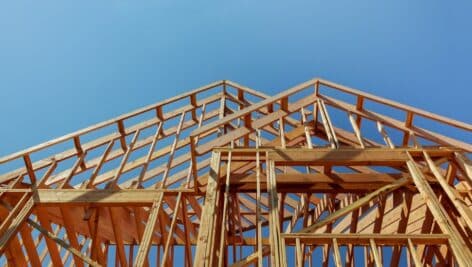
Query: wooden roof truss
227	176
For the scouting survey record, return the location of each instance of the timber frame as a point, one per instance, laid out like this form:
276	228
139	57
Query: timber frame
225	175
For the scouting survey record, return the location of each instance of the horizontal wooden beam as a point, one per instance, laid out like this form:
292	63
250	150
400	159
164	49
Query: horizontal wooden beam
349	157
343	239
74	197
364	239
316	182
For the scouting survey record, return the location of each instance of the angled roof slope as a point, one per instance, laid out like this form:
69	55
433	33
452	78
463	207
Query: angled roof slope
365	142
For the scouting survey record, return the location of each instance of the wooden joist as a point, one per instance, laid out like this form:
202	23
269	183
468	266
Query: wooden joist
316	182
105	197
343	157
364	239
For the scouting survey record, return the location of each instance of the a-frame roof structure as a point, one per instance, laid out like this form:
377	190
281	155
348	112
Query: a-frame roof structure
226	175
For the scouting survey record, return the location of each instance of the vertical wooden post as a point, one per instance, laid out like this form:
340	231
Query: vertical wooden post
276	244
29	168
375	253
337	255
258	203
328	125
204	242
359	107
356	129
224	217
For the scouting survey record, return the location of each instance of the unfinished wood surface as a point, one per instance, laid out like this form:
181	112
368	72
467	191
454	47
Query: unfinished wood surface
225	175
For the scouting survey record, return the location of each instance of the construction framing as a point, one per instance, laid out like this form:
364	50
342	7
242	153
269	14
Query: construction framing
320	174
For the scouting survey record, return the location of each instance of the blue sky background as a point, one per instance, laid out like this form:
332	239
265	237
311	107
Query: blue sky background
64	66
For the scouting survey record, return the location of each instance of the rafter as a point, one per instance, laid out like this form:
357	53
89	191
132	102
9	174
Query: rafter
235	177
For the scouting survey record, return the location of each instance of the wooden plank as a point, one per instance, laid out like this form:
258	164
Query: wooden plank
17	216
406	205
250	259
168	245
268	119
248	217
356	205
102	160
29	168
80	150
143	250
459	248
309	142
122	131
258	204
162	184
104	197
465	164
71	234
124	159
149	155
188	228
299	253
316	182
350	157
356	129
50	239
17	257
117	232
72	171
337	255
384	134
364	239
30	246
50	170
408	124
221	112
360	107
221	141
414	254
224	228
277	248
333	140
193	102
375	253
464	211
96	250
202	256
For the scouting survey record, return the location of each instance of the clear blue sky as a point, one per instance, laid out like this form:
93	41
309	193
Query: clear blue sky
64	66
